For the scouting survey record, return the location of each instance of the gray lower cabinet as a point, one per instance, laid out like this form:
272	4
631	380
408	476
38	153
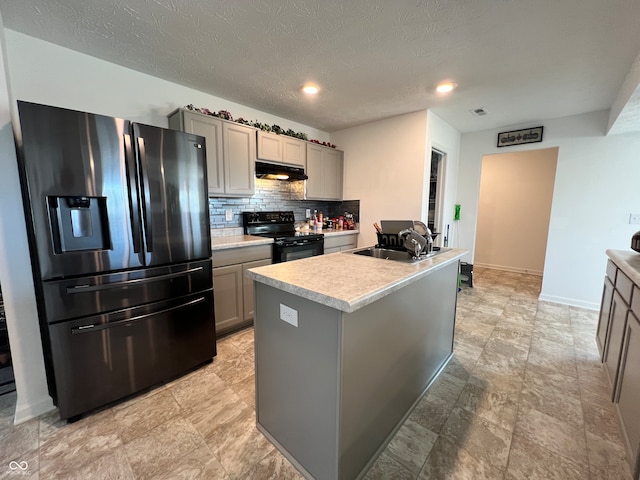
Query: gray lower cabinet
618	339
227	296
628	394
603	319
617	325
232	290
338	243
247	288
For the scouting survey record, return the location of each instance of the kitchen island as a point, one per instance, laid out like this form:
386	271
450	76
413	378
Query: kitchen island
345	346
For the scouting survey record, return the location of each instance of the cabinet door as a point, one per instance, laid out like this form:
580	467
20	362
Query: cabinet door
294	152
629	385
603	320
617	327
314	171
247	286
324	168
332	175
270	146
227	295
211	130
239	159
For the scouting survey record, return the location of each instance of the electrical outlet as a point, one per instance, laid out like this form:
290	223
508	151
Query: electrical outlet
634	219
228	215
307	213
289	315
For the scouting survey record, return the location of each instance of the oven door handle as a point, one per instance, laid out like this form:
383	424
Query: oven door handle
298	243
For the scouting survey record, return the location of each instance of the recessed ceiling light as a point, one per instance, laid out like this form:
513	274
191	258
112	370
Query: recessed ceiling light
310	89
445	87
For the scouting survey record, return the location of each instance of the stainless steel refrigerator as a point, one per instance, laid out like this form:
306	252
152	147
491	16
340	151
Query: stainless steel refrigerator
118	223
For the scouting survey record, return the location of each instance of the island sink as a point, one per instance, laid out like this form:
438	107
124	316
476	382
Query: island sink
397	255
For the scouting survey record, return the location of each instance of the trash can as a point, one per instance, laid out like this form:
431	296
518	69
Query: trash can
466	273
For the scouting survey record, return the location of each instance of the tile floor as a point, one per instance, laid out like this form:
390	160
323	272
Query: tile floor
524	397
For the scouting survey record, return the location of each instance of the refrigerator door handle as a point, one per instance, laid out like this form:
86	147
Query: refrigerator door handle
146	210
103	326
126	283
134	203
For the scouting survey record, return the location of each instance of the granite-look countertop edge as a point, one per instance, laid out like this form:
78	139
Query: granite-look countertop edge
362	280
628	262
236	241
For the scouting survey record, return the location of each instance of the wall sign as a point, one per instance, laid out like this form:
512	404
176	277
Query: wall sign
518	137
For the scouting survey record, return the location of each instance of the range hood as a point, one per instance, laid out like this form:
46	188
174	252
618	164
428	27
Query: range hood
279	172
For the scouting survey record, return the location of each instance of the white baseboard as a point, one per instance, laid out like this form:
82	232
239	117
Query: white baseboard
509	269
33	410
572	302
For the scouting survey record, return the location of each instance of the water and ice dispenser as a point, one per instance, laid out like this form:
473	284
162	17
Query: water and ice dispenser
78	223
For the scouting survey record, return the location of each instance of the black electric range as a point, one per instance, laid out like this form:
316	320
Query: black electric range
287	243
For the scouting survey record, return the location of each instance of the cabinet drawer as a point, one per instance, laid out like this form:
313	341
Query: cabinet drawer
234	256
624	286
348	240
611	271
635	301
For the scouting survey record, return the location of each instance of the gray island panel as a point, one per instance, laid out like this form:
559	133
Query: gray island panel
331	392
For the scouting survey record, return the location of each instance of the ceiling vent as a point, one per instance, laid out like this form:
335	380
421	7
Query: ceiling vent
479	112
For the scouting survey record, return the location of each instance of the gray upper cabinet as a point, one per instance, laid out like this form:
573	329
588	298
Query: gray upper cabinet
295	151
281	149
324	168
239	151
231	152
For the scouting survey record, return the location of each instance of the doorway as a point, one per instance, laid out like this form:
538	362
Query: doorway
436	191
514	208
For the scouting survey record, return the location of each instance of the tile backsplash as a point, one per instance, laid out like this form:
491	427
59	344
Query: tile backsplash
272	195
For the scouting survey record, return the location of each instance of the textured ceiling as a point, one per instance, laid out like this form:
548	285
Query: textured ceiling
522	60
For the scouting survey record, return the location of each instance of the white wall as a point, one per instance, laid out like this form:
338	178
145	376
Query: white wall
597	186
516	191
384	165
445	138
42	72
15	271
45	73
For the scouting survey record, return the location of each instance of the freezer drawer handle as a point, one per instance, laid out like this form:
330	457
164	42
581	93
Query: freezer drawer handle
102	326
126	283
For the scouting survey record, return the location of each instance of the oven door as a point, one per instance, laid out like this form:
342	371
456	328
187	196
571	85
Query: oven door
303	248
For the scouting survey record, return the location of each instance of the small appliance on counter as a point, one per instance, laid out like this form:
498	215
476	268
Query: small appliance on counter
288	244
635	242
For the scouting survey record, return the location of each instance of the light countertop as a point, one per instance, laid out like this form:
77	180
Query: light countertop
235	241
222	242
345	281
334	233
628	261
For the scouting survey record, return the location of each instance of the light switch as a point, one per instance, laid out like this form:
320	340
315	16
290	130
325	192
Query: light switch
228	215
